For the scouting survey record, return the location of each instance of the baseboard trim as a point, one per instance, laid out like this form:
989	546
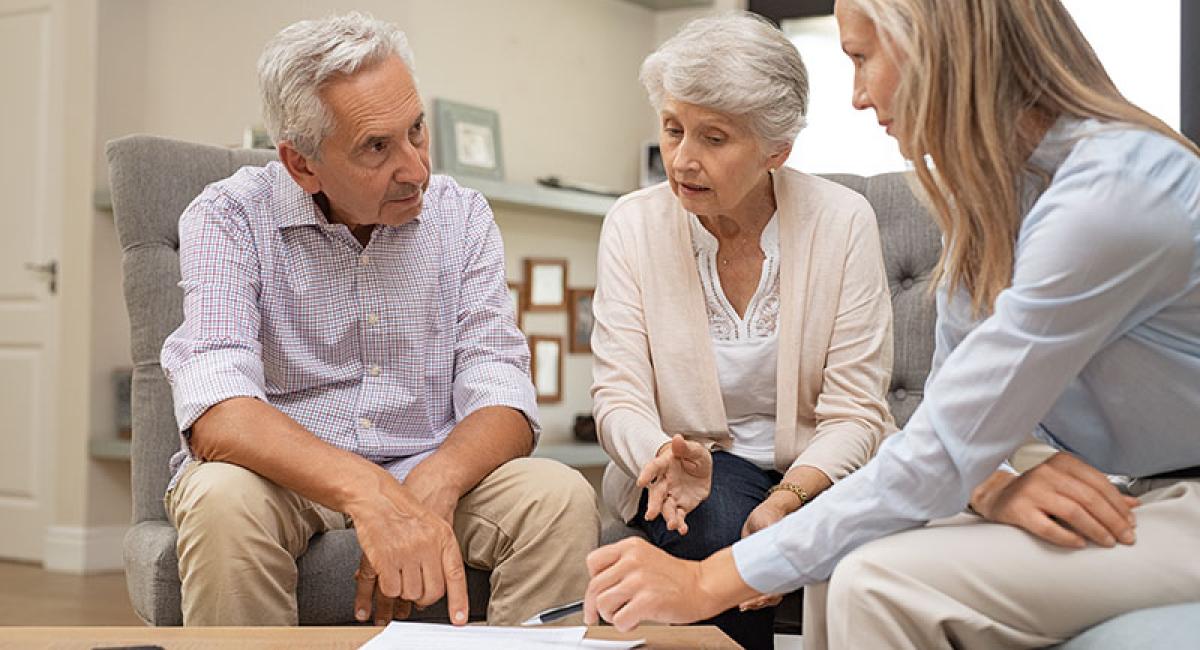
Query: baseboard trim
79	549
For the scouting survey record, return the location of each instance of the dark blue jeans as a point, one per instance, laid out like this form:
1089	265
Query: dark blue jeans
738	486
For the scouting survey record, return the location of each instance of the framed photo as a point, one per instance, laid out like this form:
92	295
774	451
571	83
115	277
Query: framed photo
545	365
516	293
653	171
467	140
255	137
545	284
579	313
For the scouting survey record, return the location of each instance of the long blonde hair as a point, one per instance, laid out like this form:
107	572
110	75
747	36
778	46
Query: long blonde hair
974	74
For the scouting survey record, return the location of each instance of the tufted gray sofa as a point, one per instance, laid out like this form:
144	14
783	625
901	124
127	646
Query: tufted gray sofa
153	180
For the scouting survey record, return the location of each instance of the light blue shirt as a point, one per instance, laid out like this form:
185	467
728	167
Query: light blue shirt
1096	345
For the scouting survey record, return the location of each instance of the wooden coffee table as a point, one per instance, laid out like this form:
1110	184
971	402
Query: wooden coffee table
286	638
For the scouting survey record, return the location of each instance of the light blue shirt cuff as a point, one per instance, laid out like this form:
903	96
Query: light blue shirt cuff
763	565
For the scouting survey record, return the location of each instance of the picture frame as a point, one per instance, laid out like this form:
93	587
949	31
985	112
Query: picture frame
546	367
580	320
652	169
467	140
256	137
516	296
545	284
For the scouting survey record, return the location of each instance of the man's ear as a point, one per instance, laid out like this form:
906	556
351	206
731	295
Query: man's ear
299	166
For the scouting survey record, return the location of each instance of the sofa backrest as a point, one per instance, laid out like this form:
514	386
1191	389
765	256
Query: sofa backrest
911	245
154	179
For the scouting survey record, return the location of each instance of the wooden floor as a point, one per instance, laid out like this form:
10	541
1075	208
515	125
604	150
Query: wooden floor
30	596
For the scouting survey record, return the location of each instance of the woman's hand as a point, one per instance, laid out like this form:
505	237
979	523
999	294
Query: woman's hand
1063	501
774	508
677	481
632	581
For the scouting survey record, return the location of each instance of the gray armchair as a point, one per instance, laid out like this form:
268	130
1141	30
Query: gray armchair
153	180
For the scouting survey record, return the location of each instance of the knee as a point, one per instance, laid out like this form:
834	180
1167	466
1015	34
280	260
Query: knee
860	579
709	531
558	495
222	501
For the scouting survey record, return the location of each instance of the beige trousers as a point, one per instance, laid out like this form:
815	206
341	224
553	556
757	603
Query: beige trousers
531	522
963	582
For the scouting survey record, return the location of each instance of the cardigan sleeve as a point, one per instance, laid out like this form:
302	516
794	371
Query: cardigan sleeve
627	419
852	415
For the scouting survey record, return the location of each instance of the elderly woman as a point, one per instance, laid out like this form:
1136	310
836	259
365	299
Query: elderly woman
1068	302
743	321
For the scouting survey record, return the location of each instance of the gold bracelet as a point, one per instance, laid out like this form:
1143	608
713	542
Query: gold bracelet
790	487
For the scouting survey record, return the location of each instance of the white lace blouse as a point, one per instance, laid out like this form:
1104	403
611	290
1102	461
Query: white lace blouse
746	348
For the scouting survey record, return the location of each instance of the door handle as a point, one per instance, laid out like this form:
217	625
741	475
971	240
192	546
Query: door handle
49	269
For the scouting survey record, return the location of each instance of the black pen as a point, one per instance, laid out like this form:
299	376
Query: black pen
555	613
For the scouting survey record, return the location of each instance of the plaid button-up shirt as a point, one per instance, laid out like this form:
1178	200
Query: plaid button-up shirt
379	350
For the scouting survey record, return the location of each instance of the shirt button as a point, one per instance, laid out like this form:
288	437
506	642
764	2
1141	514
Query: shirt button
373	371
364	260
907	283
372	319
364	423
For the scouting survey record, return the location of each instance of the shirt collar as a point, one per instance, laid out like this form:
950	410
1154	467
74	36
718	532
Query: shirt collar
1057	143
296	208
1048	156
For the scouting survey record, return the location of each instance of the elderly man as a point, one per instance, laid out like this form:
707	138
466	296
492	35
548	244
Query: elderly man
348	356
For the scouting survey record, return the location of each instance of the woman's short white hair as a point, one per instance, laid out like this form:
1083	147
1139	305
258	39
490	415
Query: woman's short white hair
304	56
736	63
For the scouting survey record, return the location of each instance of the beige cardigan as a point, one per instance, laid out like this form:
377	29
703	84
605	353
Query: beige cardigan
655	373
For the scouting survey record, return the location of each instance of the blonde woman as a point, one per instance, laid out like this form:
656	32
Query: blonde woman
741	307
1069	305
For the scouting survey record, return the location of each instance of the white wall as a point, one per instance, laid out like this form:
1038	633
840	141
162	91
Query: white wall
1138	43
838	138
551	234
562	74
119	109
1138	46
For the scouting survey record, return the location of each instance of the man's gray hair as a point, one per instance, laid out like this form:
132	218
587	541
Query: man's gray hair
735	63
306	55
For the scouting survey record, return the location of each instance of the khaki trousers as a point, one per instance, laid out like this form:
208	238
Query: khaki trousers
963	582
531	522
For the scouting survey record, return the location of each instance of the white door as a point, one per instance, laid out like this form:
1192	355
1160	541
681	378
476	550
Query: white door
30	180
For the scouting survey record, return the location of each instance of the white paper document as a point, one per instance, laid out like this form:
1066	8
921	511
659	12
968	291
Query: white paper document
403	635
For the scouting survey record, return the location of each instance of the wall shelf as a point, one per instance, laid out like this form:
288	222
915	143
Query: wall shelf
109	448
102	199
497	192
536	196
661	5
574	454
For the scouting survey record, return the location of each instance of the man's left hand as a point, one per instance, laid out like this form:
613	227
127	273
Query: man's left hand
442	500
